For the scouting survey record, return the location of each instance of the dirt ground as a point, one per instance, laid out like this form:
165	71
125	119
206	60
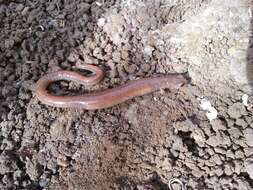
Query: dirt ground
201	134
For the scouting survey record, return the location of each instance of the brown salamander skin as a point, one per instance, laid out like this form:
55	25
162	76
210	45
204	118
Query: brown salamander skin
106	98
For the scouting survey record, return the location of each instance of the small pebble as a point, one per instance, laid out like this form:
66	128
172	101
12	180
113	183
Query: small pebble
236	110
249	167
248	134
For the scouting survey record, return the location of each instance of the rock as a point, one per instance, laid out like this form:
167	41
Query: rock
230	154
25	11
72	57
145	67
249	119
242	123
9	43
225	181
58	129
116	56
209	163
84	7
178	144
7	165
230	122
248	134
98	52
236	110
20	7
242	184
7	145
166	164
249	167
101	22
239	154
235	132
211	180
197	173
218	172
219	139
62	161
131	68
228	170
148	50
199	137
220	150
248	151
33	169
17	174
216	159
184	125
213	141
43	182
52	165
210	151
238	166
217	124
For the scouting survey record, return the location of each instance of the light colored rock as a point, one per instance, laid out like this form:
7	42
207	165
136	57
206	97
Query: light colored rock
248	134
249	167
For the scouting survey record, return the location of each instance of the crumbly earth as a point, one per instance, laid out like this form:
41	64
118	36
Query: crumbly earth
147	141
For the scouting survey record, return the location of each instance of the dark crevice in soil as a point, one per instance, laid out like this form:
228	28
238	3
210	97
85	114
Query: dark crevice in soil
189	142
247	177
